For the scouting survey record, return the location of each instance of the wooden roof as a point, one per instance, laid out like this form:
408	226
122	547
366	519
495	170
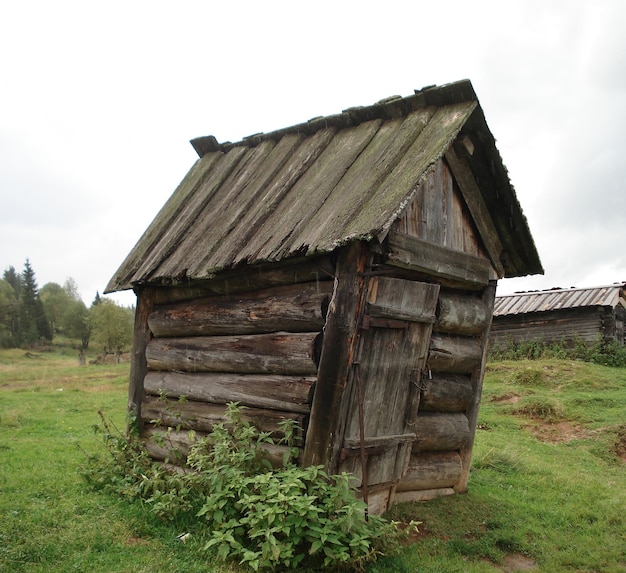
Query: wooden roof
558	299
313	187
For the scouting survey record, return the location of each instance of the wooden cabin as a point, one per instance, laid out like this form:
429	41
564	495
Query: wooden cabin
565	316
342	273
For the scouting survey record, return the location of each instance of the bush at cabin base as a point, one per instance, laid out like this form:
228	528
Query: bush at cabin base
247	511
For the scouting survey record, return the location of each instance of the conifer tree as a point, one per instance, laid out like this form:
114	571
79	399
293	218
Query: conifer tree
34	325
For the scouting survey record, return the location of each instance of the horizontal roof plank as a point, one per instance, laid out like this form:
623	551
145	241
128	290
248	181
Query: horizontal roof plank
208	229
310	193
178	226
243	235
223	223
159	226
399	188
363	179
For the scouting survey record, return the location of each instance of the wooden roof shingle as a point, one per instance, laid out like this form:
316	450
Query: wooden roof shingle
558	299
313	187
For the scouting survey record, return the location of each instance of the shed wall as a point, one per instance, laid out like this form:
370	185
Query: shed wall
567	326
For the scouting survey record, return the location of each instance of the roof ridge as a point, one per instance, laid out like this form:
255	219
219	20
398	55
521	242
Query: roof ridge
562	289
387	108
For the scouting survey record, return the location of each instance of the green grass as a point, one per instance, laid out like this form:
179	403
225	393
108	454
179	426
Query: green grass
548	483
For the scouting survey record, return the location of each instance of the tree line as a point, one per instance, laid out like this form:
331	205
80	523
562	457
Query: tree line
31	316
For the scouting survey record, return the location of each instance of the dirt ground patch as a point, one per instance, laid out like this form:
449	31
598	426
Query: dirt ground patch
506	399
557	432
518	562
620	443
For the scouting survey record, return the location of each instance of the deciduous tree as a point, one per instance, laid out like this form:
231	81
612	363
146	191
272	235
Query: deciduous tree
111	325
9	315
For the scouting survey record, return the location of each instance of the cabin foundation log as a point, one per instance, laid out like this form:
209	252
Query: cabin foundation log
174	446
431	471
203	416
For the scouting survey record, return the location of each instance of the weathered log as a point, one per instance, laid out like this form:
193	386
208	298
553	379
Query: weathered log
477	383
203	416
276	353
456	354
431	471
460	314
250	278
424	257
284	393
292	308
446	392
330	406
174	446
440	432
138	367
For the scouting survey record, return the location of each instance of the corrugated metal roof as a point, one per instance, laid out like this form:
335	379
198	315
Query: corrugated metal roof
557	299
313	187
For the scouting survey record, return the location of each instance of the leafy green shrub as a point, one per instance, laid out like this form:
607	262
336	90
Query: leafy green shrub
602	352
259	516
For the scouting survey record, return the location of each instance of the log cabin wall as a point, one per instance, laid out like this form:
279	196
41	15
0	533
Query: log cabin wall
567	326
257	344
436	241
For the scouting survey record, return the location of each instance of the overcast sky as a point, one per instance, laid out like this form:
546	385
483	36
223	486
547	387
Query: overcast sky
98	102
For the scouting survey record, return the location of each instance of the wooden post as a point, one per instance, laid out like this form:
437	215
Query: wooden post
329	407
139	366
489	296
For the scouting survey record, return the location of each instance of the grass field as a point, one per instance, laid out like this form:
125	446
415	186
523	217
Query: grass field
547	490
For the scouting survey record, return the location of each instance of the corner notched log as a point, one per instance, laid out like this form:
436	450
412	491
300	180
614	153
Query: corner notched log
456	354
292	308
431	471
446	393
440	432
284	393
461	314
277	353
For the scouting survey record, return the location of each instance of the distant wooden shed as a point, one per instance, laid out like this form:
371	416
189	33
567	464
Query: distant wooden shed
560	315
340	272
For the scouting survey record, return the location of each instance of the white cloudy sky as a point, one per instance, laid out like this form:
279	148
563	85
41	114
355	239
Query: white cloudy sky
99	100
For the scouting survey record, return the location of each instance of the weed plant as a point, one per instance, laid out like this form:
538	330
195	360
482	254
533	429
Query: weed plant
543	493
249	512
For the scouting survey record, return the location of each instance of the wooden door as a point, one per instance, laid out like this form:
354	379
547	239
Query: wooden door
391	355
